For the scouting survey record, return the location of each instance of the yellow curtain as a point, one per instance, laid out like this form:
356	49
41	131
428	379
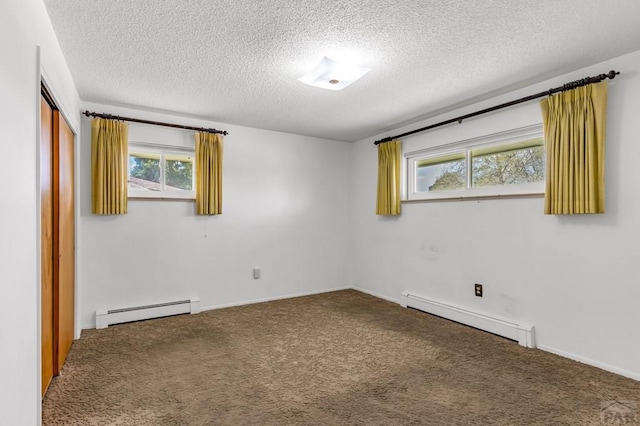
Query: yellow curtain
208	173
109	152
574	132
389	163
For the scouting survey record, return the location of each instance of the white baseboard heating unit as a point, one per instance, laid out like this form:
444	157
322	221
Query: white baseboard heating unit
137	313
521	333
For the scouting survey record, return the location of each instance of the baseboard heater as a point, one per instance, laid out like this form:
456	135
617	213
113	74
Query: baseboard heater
521	333
137	313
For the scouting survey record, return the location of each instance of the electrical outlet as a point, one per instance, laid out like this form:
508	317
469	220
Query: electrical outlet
479	290
256	273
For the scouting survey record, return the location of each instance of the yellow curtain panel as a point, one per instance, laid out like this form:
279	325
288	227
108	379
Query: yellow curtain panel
109	152
574	133
208	173
389	163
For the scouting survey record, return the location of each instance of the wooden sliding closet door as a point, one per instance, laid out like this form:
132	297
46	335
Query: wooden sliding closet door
64	238
46	220
58	239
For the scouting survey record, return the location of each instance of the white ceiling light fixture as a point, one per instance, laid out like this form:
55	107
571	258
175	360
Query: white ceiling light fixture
333	75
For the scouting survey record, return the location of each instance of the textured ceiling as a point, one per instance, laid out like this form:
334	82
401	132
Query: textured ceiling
238	61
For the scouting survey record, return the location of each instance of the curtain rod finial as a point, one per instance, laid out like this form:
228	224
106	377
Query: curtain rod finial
383	140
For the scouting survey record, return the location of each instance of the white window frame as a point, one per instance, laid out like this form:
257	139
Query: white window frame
466	147
163	151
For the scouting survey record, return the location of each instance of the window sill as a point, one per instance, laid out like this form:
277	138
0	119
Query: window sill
474	198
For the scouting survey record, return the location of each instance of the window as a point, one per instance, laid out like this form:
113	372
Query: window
161	172
509	163
441	173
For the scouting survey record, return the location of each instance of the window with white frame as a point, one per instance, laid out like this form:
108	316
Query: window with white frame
157	171
502	164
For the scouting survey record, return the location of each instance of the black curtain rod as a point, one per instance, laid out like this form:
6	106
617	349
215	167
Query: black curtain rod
156	123
567	86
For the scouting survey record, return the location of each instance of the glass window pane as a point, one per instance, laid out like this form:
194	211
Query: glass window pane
144	171
441	173
510	165
179	172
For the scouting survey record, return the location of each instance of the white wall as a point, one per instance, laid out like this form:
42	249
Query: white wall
573	277
285	210
24	24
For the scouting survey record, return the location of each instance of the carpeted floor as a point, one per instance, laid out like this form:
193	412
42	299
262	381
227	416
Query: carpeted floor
338	358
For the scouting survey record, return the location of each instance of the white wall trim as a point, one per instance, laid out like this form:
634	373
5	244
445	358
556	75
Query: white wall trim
271	299
254	301
564	354
38	283
588	361
584	360
72	120
378	295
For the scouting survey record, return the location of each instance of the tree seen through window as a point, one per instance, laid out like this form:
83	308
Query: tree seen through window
145	171
489	167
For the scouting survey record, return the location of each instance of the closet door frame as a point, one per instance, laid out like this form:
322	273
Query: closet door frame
47	335
61	249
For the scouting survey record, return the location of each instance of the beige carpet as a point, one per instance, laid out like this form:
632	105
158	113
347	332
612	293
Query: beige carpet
333	359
